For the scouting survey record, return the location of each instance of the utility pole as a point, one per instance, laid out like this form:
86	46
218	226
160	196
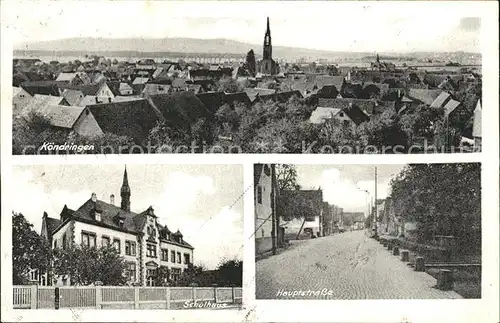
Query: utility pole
375	214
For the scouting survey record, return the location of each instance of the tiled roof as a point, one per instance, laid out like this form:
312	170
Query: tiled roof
61	116
441	100
42	87
369	107
140	80
73	96
87	89
450	106
321	114
52	224
126	118
253	92
424	95
66	77
179	108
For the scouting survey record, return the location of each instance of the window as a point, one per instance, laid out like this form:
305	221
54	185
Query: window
130	248
186	258
341	114
130	272
55	244
105	241
175	273
179	258
88	239
151	250
150	277
259	194
116	245
64	241
164	254
172	256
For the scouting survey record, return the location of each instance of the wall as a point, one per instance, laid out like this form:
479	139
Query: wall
58	236
87	126
263	219
172	247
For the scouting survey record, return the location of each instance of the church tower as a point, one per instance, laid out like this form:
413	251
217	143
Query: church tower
268	48
125	192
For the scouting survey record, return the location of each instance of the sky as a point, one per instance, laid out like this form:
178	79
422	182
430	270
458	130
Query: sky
202	201
328	25
346	185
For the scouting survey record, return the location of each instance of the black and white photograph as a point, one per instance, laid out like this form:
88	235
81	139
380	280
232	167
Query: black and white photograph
246	78
368	231
127	237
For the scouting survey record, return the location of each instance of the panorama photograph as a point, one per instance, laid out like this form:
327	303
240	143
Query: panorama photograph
163	77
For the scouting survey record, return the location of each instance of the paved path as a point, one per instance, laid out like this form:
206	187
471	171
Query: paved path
350	265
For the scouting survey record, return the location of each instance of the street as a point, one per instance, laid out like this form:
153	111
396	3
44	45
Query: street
350	264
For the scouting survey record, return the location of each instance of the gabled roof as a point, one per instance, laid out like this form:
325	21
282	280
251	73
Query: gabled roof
321	114
66	77
181	109
140	80
441	100
151	88
252	93
87	89
61	116
369	107
73	96
42	87
52	224
212	100
232	98
356	115
39	102
450	106
126	118
424	95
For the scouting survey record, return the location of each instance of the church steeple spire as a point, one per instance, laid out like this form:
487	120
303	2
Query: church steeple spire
125	192
268	48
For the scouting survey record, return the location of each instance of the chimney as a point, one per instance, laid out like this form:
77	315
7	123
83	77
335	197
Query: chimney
350	105
96	100
112	199
94	197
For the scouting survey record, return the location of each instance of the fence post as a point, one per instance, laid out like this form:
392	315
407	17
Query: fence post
98	297
56	298
136	297
215	293
233	294
419	264
395	251
194	294
34	296
445	280
168	298
405	255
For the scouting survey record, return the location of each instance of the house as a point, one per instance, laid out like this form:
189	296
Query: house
354	220
20	98
43	87
73	97
330	218
301	211
422	96
119	88
153	88
40	102
134	118
70	78
144	243
69	118
101	90
140	80
252	93
346	111
268	233
477	127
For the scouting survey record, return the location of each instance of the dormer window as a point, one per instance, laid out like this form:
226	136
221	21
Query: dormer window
121	223
98	216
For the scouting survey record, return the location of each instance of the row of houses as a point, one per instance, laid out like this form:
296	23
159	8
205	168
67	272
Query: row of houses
282	215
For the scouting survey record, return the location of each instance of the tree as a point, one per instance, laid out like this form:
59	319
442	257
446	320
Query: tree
29	250
444	199
229	85
86	265
162	277
193	275
230	272
250	62
286	176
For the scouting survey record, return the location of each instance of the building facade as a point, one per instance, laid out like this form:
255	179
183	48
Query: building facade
267	66
139	238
